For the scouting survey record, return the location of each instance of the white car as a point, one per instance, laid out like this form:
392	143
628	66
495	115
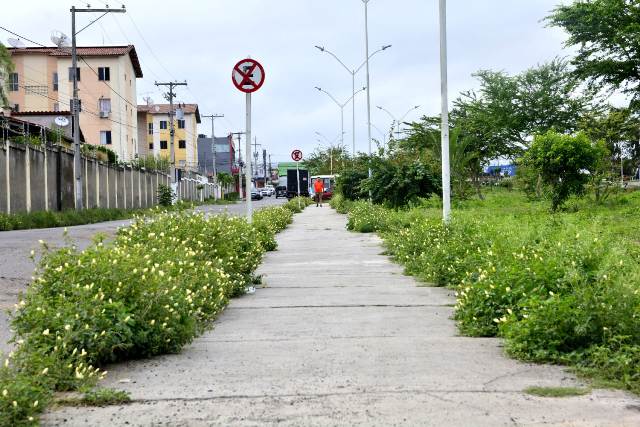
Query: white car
265	192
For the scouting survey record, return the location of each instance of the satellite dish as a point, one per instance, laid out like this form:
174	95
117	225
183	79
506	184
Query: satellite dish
156	108
17	43
60	39
61	121
179	114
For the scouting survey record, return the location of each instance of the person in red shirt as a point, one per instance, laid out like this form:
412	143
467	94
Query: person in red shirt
318	188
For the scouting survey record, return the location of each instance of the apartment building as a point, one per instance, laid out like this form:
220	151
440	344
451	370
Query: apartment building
43	83
155	120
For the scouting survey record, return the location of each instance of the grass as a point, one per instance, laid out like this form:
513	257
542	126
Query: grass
557	391
559	287
99	397
50	219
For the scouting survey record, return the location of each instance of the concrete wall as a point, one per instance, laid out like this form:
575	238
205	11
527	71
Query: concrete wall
36	179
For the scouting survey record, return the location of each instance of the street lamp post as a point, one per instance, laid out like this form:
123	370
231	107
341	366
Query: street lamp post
341	106
353	73
446	177
396	121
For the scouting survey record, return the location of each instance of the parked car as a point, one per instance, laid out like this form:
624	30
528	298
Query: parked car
264	192
272	190
281	191
256	194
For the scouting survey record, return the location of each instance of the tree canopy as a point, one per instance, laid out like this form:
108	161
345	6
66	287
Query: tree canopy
606	34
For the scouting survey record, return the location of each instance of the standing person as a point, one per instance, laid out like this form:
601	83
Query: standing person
318	188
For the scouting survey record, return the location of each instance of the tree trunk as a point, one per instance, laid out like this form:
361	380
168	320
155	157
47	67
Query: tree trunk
476	183
539	187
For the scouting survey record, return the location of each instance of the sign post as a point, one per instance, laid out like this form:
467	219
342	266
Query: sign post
248	76
296	155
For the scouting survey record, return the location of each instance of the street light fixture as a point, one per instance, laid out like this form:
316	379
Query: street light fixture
396	121
353	73
341	106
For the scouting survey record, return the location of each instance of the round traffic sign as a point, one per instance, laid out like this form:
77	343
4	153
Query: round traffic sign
248	75
296	155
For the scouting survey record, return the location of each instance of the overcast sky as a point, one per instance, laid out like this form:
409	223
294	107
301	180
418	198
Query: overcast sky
200	41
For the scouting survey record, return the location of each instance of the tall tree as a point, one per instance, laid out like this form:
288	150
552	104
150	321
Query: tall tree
606	34
325	161
507	111
6	67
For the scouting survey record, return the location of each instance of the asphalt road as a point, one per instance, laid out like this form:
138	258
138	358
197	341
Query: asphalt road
16	266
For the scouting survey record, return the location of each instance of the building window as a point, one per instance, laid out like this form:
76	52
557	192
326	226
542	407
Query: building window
163	145
79	104
150	128
55	82
16	108
104	74
13	82
71	73
104	105
105	137
151	146
180	124
163	124
182	144
56	106
182	163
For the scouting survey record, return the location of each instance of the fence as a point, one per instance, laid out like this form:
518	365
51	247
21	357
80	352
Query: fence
42	178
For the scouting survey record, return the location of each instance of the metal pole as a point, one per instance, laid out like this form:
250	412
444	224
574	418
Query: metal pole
76	114
298	184
353	113
342	125
446	177
214	148
248	169
172	152
366	32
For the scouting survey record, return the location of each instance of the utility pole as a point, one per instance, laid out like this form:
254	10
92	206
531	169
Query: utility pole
255	153
240	163
75	107
264	165
213	117
172	130
270	166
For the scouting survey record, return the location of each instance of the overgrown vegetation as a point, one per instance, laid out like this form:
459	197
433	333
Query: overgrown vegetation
48	219
97	397
559	288
557	391
150	291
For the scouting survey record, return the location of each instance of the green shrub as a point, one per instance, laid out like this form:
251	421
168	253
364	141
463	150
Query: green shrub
165	195
234	196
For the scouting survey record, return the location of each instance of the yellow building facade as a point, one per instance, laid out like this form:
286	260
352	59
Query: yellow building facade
157	138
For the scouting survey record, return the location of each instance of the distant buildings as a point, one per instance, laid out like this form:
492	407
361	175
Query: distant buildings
42	84
225	155
154	133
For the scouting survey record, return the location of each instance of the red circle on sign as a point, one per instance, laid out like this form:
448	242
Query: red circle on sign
296	155
248	75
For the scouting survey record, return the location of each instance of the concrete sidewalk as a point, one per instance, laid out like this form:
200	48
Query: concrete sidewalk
339	336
